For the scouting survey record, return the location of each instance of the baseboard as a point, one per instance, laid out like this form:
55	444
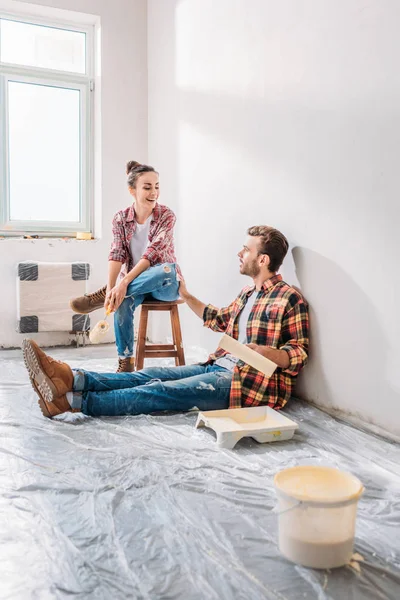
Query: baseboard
356	421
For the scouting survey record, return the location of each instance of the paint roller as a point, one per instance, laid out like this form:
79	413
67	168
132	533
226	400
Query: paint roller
100	329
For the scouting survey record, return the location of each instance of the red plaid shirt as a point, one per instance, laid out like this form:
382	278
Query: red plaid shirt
278	319
161	237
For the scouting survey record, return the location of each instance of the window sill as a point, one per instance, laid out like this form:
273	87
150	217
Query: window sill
48	237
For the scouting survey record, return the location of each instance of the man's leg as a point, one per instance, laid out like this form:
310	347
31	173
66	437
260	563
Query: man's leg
51	379
85	381
54	381
207	391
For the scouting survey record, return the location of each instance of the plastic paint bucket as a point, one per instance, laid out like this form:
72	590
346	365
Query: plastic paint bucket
317	509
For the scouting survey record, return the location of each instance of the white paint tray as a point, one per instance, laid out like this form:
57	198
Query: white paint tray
262	423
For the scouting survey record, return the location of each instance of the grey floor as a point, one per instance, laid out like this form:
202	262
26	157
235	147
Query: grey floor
148	507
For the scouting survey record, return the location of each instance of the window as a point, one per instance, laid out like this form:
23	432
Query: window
46	100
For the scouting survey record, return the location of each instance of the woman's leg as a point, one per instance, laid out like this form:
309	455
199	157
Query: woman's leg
123	326
159	281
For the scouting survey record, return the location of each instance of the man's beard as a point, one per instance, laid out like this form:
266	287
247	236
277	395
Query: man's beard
252	269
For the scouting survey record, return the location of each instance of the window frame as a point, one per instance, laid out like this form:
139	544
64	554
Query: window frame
54	78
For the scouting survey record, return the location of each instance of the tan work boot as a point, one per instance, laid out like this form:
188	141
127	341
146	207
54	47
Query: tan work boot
126	365
52	409
89	302
50	378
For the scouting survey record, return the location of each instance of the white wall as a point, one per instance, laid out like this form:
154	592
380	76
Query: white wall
123	125
287	112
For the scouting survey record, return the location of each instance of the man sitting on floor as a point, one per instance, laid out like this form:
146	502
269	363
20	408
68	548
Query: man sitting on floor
269	316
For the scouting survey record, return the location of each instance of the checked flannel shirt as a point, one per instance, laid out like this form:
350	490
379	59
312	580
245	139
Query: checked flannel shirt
161	237
279	319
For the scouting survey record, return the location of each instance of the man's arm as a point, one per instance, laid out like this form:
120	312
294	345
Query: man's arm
216	319
293	353
196	305
279	357
295	337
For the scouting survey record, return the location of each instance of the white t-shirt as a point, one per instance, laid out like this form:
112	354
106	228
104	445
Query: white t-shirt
140	240
229	361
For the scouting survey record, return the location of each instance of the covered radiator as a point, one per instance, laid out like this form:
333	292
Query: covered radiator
43	293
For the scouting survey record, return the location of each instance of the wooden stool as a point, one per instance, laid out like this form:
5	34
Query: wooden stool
175	350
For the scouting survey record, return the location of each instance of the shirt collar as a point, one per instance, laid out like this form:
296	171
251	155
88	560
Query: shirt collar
132	214
270	283
267	285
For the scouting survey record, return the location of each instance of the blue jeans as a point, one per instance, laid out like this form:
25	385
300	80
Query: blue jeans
157	282
206	387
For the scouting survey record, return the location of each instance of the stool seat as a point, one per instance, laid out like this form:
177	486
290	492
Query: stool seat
161	304
174	350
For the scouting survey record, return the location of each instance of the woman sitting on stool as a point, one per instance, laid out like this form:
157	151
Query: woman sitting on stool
142	261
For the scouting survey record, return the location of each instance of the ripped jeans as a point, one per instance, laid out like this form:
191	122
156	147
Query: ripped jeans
155	389
158	282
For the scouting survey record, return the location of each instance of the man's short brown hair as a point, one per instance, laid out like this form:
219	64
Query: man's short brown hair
272	242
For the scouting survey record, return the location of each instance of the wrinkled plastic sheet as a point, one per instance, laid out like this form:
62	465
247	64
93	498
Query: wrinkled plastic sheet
148	507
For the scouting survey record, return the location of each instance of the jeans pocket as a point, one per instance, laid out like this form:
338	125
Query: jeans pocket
224	382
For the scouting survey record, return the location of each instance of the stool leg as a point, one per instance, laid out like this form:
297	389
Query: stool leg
177	336
142	335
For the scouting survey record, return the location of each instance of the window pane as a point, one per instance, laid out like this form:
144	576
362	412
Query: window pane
39	46
44	152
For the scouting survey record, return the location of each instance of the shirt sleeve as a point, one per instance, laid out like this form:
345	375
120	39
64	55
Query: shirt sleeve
117	251
295	334
163	238
218	319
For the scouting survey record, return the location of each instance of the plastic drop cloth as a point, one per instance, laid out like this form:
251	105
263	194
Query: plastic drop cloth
147	507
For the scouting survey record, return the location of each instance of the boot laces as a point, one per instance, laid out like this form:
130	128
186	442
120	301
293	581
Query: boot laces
98	296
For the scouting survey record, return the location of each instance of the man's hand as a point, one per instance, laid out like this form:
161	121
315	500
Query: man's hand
183	291
196	305
279	357
256	348
115	297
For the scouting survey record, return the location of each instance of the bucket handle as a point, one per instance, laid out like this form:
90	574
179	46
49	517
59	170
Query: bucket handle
305	503
282	512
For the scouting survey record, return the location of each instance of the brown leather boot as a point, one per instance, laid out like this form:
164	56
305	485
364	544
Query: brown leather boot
89	302
126	365
51	378
52	409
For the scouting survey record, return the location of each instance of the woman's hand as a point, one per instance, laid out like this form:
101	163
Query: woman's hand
107	298
115	297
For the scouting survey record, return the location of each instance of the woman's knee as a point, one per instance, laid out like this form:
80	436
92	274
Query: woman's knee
169	267
164	269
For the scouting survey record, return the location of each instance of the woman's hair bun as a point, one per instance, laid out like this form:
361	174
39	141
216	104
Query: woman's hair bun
130	165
